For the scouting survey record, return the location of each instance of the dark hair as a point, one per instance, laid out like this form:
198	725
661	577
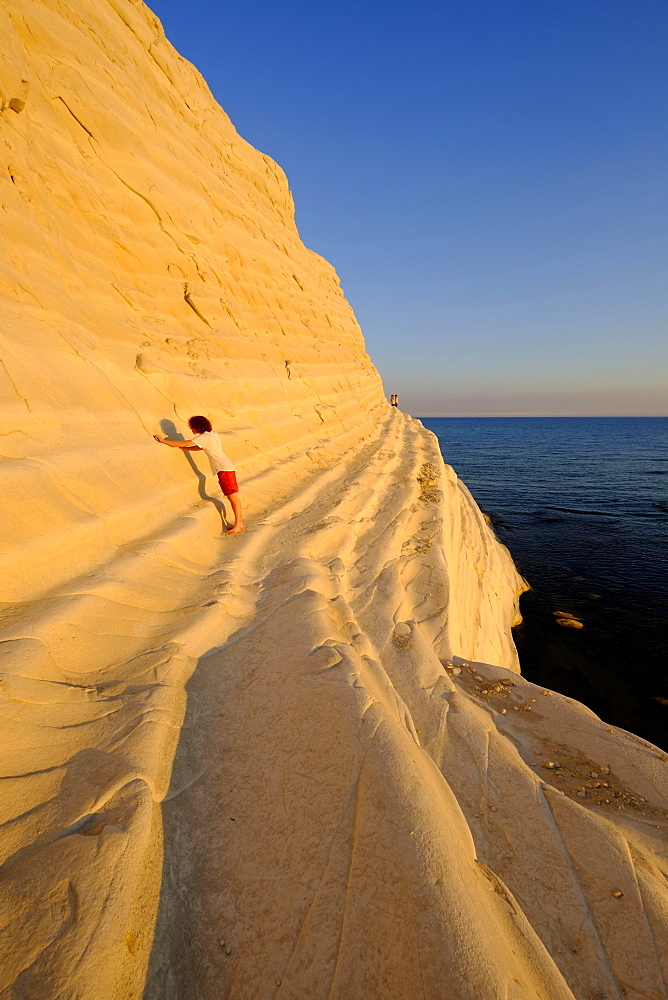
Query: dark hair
199	424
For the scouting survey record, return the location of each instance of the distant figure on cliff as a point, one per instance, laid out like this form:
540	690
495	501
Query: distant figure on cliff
207	440
394	399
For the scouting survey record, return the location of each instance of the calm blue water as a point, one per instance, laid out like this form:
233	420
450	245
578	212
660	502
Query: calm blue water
582	504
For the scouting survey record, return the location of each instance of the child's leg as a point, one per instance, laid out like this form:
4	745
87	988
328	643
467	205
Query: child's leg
235	502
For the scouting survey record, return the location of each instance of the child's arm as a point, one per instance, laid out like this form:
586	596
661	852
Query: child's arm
185	445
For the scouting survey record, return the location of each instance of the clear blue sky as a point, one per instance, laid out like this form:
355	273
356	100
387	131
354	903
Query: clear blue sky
488	177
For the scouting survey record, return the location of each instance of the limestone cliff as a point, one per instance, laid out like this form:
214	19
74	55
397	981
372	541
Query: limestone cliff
300	762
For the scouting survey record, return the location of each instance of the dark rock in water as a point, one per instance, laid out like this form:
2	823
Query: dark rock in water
547	518
661	506
567	620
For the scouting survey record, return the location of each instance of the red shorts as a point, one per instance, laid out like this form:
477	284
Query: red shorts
228	483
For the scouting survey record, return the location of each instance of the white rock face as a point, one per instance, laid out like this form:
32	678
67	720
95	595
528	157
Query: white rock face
299	762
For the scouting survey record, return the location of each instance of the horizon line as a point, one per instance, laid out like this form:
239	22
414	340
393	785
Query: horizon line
545	416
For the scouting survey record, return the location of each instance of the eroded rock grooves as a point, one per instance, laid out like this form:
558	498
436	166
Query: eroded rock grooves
298	763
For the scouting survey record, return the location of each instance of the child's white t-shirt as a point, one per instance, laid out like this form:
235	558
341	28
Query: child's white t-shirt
209	442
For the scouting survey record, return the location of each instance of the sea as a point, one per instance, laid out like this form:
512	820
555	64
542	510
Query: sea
582	504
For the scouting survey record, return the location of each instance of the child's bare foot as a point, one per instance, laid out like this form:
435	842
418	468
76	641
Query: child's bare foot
235	530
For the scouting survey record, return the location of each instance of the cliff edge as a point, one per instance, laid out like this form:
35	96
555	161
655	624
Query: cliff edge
299	762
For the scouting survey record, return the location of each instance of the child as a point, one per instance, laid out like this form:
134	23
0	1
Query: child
207	440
